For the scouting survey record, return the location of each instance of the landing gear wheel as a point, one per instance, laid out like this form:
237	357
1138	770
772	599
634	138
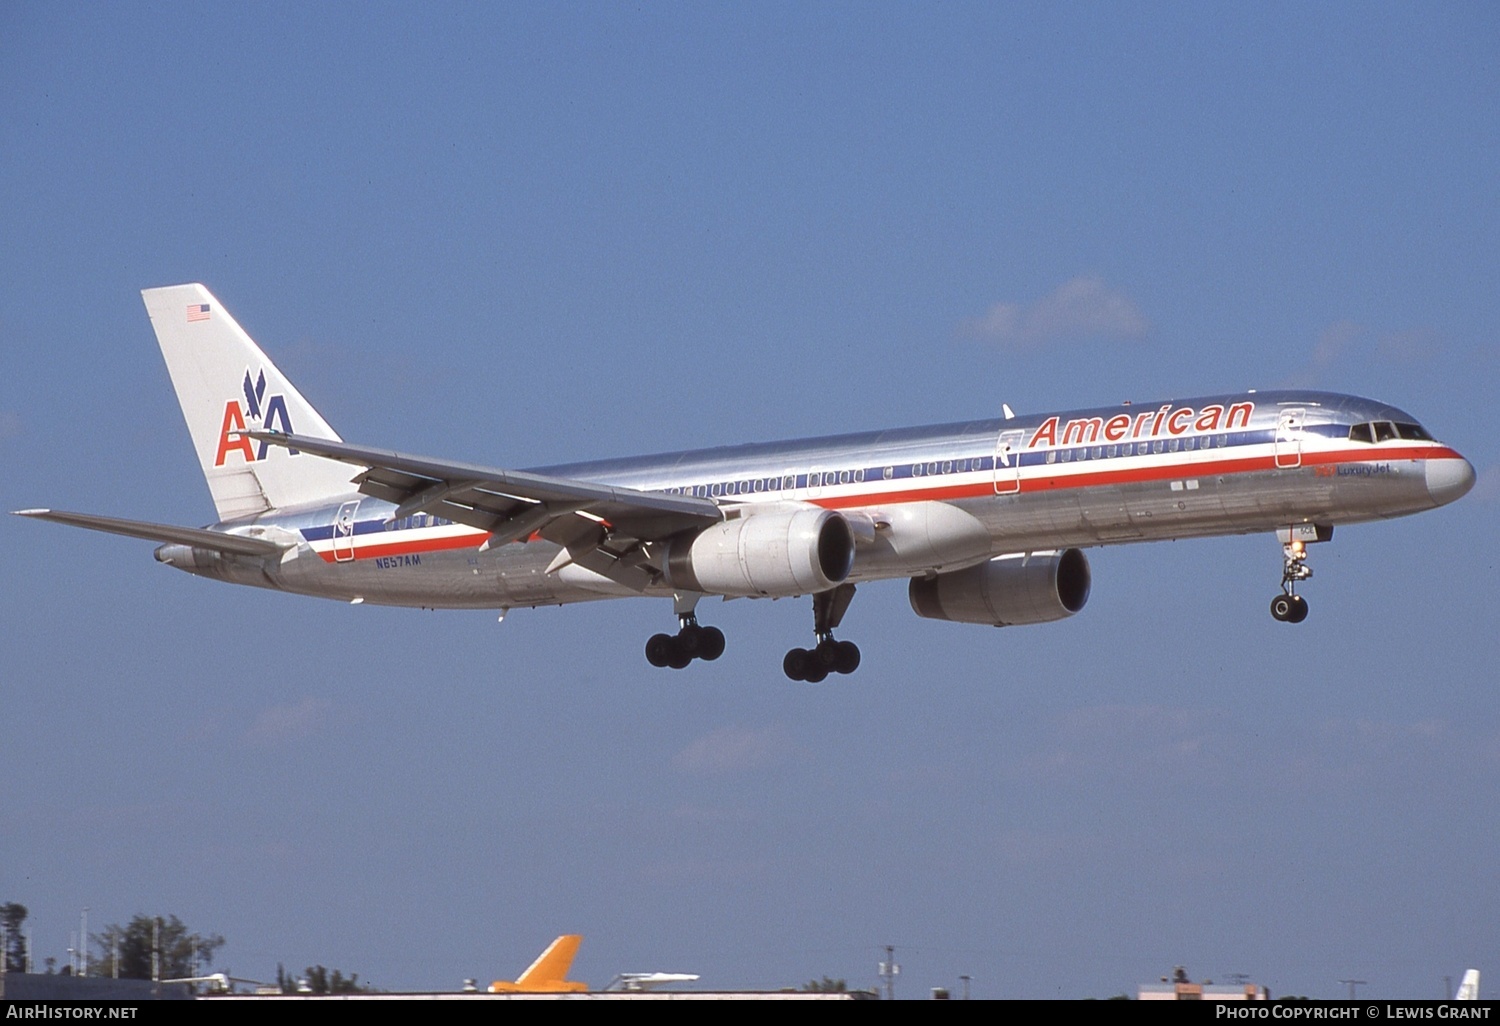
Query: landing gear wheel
1289	608
680	656
1281	607
690	640
711	643
659	649
826	654
796	663
845	657
816	672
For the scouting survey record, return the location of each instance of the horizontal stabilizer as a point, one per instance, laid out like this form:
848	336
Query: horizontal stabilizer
197	537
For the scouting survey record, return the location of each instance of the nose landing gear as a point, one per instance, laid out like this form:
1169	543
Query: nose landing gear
1289	607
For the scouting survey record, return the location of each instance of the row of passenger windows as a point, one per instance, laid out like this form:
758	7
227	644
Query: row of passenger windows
1102	452
827	478
1384	431
417	520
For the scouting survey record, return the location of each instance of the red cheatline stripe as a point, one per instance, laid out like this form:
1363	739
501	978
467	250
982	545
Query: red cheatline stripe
1039	481
407	548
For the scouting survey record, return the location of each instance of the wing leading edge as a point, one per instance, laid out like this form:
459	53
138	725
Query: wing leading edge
600	527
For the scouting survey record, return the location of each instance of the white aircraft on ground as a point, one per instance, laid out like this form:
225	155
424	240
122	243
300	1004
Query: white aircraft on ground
985	518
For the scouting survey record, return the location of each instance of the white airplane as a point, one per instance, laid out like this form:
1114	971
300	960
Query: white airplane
1468	987
985	518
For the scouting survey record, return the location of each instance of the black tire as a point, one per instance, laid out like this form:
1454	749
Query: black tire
659	650
796	663
817	673
1281	607
711	644
680	656
846	657
1299	610
690	640
826	654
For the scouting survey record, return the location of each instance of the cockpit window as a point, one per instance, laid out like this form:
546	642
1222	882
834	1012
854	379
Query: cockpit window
1385	431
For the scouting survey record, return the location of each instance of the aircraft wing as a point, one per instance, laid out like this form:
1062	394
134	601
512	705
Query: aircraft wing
196	537
509	504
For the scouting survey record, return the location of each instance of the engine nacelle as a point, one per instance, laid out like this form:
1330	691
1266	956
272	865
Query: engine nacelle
772	554
1007	590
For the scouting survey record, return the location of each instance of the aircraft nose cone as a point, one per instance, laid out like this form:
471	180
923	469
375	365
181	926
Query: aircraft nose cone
1449	479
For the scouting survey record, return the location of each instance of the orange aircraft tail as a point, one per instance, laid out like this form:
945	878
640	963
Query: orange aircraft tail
549	973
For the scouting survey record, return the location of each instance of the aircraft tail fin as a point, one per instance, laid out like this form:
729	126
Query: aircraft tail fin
1468	987
226	385
549	973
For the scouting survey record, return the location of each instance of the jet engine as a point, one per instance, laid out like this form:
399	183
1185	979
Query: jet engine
775	554
1033	588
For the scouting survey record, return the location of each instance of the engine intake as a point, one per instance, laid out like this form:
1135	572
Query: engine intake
768	554
1033	588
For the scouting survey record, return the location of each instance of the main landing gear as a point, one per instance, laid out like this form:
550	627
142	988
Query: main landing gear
828	656
690	642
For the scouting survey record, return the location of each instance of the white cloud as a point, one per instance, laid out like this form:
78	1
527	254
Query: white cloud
733	748
1344	340
1082	308
286	722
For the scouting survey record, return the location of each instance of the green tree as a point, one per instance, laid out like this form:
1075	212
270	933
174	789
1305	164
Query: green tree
321	981
12	944
126	951
825	986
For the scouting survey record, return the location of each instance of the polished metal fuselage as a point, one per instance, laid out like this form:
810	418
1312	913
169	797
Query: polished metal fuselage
923	500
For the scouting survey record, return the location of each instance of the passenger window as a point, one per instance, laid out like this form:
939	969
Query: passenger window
888	473
1051	456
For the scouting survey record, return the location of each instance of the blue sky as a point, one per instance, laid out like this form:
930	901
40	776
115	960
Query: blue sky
521	234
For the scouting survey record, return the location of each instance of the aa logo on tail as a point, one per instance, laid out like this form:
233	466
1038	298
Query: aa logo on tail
266	413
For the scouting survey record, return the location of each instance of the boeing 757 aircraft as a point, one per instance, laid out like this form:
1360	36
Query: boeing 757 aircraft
986	519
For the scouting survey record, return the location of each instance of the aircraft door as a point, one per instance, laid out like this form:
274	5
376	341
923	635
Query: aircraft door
1289	438
1008	462
343	532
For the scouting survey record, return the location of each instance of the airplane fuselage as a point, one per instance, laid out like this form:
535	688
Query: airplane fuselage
920	501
